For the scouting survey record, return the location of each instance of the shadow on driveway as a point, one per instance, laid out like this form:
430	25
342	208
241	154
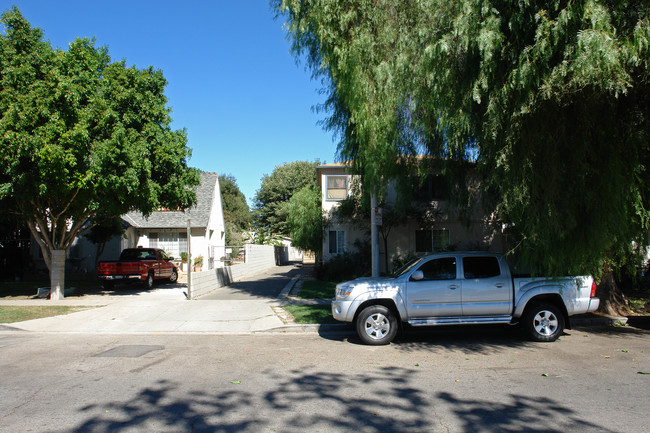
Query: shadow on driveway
265	285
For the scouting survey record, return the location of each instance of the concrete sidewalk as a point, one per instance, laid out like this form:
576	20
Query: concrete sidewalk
166	310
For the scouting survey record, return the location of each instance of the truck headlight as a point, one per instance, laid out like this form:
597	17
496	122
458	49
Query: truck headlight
343	291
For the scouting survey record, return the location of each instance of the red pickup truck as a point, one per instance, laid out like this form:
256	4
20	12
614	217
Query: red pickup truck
138	264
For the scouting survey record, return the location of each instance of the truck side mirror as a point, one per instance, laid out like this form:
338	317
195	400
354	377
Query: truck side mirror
417	276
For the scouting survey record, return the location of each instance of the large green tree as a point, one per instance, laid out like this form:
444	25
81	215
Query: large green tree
83	139
550	98
236	214
305	219
272	199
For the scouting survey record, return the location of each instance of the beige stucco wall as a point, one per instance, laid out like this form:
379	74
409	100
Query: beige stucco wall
476	235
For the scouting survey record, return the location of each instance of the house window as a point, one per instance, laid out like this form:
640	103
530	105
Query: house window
423	242
428	241
337	187
434	187
440	239
336	242
173	243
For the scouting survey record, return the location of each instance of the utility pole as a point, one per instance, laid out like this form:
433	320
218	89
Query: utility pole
189	260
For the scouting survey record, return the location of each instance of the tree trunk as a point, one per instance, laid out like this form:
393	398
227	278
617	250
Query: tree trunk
57	274
99	252
612	300
374	239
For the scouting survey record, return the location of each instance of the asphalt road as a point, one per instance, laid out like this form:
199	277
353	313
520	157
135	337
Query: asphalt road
451	380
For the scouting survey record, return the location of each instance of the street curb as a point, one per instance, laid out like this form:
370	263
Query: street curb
284	294
321	329
598	321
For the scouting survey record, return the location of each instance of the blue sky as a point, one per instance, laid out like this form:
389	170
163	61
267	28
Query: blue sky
246	104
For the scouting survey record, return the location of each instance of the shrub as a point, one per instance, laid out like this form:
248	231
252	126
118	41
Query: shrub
342	267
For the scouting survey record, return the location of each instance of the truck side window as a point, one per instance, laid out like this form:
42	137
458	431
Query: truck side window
439	269
480	267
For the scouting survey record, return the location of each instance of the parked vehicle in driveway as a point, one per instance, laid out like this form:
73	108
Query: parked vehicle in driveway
461	288
138	264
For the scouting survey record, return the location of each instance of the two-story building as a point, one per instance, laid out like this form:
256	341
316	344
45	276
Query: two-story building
440	229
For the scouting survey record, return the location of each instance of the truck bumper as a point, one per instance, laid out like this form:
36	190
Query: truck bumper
120	277
594	303
344	310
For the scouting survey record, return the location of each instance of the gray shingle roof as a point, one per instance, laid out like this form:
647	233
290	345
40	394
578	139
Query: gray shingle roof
199	214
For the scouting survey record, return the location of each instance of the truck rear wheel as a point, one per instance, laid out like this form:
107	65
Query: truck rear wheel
543	322
148	283
376	325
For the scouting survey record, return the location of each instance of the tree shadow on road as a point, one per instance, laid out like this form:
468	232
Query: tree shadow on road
520	414
379	400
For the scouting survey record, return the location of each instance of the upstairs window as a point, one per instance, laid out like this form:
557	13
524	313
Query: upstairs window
337	187
434	187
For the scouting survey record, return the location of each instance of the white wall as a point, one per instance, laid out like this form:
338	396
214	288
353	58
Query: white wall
258	259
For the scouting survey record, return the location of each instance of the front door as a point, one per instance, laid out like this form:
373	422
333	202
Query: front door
438	293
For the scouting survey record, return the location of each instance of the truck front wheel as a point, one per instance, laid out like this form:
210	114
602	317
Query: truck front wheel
543	322
376	325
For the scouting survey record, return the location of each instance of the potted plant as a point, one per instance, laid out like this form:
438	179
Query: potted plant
198	264
183	261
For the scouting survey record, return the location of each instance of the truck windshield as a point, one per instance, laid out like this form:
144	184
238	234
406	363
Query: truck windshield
407	267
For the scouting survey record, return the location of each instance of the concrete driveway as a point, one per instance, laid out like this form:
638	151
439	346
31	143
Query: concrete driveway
246	307
264	286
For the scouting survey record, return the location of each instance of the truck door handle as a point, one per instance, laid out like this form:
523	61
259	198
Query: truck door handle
453	287
499	285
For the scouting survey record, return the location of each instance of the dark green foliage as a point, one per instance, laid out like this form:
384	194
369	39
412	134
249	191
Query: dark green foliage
236	214
83	138
272	199
346	266
548	98
305	219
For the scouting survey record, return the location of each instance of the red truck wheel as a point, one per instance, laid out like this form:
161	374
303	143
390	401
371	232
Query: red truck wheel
148	283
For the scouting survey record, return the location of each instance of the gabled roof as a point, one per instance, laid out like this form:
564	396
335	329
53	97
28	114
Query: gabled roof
199	214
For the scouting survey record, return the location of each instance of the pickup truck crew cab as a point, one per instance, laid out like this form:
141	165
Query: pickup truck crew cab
138	264
461	288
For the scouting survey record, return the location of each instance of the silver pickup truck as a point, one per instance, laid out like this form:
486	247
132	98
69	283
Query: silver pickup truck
461	288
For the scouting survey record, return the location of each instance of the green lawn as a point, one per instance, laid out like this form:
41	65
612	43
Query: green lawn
11	314
316	289
314	314
311	314
18	290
